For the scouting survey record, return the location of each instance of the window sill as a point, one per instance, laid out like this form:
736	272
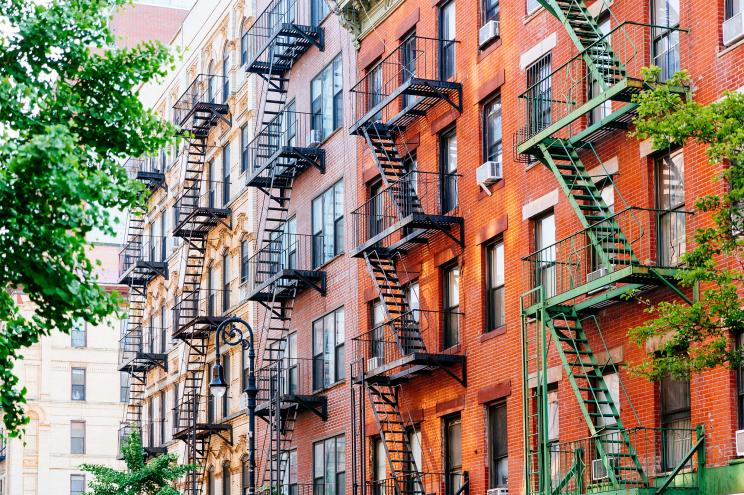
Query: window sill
490	334
330	387
330	135
323	266
490	47
729	48
532	15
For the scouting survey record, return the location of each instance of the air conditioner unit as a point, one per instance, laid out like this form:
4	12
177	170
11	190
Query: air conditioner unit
599	471
488	173
597	274
497	491
740	443
488	32
733	29
375	362
314	137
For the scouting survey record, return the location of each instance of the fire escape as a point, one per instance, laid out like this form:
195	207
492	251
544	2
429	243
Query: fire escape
404	215
197	311
287	143
140	261
566	113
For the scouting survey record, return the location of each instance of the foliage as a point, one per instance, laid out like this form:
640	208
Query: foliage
697	337
69	114
140	478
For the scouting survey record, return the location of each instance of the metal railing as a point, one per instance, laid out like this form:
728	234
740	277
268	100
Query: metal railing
205	89
577	467
277	17
148	165
422	193
139	340
456	483
153	433
573	86
289	488
294	376
288	129
284	252
201	303
656	237
209	194
377	95
145	249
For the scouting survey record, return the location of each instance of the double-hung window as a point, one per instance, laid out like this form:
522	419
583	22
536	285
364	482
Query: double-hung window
448	169
492	138
124	386
225	282
545	253
329	466
226	397
495	285
675	421
77	484
409	61
318	11
328	224
498	458
539	95
225	73
244	257
328	349
291	367
243	45
665	17
226	478
245	140
211	185
451	304
77	376
77	437
490	11
374	89
79	333
161	419
226	174
670	187
327	99
453	453
447	41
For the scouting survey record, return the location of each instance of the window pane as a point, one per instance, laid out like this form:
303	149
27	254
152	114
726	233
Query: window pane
318	467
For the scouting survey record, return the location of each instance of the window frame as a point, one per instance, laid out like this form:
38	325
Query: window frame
82	438
80	327
329	77
322	481
77	478
226	173
538	79
493	152
673	211
333	372
667	37
496	457
453	473
321	254
73	384
450	274
447	63
494	301
495	14
245	154
226	478
225	73
449	194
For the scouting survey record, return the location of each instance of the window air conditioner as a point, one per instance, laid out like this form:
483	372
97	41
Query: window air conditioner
599	472
487	174
740	443
314	137
733	29
488	32
497	491
375	362
597	274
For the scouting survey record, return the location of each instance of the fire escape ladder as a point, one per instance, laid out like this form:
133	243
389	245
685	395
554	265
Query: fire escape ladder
282	422
611	440
381	140
406	476
381	267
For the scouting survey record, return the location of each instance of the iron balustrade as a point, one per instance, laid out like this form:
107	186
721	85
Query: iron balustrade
204	194
143	249
205	91
416	194
572	98
140	340
204	302
148	167
415	66
577	467
421	483
656	237
153	433
292	377
288	130
284	252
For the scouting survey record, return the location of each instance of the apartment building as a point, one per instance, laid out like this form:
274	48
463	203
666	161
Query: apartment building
503	210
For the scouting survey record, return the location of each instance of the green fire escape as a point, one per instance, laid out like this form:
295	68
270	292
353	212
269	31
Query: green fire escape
567	111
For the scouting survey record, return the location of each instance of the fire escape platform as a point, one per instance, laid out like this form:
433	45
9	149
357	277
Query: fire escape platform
143	272
198	327
200	221
144	361
287	52
294	160
428	92
315	403
279	286
153	180
202	431
202	125
410	365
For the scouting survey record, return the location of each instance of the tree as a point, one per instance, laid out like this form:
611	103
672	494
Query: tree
697	337
69	114
140	478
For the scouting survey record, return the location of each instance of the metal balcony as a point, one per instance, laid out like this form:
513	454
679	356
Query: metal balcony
293	382
285	265
280	35
407	345
202	105
142	259
151	171
420	484
285	147
195	313
201	207
197	419
142	349
408	82
573	269
408	213
585	102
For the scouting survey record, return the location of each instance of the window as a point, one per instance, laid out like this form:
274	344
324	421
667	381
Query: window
225	282
291	367
448	169
176	426
490	11
225	73
245	140
740	384
532	5
453	453
545	252
289	476
498	460
210	482
447	41
77	484
211	90
226	174
380	465
211	185
451	304
595	88
670	194
79	334
245	475
495	285
150	437
123	386
554	433
77	437
377	310
492	149
328	349
161	419
226	479
374	89
328	224
734	8
327	99
675	421
665	14
611	437
163	331
243	45
409	58
539	95
329	466
226	397
244	257
78	383
607	193
318	11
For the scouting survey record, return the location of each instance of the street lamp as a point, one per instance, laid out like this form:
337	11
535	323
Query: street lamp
227	333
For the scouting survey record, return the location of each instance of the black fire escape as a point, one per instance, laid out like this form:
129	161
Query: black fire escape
196	311
287	143
410	209
140	261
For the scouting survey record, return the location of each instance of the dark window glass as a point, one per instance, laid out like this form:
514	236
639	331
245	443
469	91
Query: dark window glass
665	16
328	224
539	95
490	10
225	283
670	198
498	445
79	334
244	257
226	397
495	285
734	7
451	304
447	41
408	69
225	174
374	89
225	74
453	453
675	421
77	437
77	376
77	484
243	46
245	156
226	479
328	349
448	169
326	98
492	144
161	420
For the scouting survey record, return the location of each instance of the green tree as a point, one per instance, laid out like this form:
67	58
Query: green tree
140	478
69	114
697	337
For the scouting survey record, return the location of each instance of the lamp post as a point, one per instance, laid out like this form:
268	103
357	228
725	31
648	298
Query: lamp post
227	333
